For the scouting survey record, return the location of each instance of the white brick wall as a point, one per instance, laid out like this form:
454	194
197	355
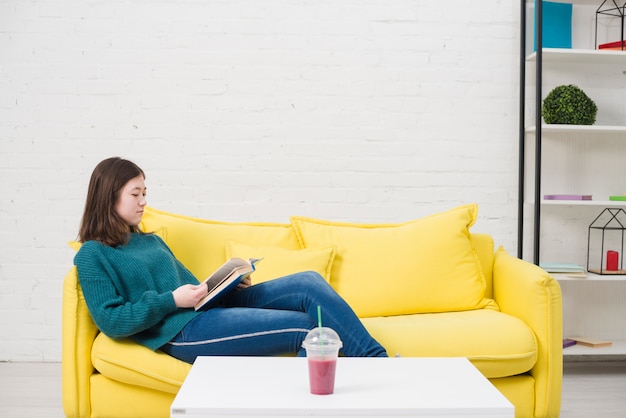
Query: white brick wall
361	110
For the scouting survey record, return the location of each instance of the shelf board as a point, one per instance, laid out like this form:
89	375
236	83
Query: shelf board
573	2
558	128
591	277
579	56
618	348
604	203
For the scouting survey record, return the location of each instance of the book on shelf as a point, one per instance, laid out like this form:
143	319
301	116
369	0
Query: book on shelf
225	279
565	269
556	25
591	342
568	342
567	197
620	198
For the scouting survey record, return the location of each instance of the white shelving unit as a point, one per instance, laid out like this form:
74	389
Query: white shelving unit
574	159
577	160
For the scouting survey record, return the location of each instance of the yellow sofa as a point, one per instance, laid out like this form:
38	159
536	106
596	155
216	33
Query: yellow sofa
427	287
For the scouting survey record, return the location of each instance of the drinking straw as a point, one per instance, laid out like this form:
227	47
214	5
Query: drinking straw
319	317
319	325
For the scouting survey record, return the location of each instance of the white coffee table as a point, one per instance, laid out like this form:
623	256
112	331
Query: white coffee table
364	387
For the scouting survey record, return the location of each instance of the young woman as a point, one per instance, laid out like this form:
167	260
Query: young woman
135	287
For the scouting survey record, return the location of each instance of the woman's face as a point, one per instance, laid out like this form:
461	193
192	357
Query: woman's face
131	201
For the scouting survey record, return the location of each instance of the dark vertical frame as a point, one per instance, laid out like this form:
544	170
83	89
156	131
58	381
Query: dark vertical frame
522	123
538	90
538	33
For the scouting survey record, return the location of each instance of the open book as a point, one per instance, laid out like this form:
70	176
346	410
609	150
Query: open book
225	278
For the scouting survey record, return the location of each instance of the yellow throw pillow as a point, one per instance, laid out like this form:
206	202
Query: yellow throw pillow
201	244
426	265
279	262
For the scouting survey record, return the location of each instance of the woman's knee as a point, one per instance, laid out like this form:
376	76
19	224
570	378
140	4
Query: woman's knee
306	283
312	279
308	276
312	275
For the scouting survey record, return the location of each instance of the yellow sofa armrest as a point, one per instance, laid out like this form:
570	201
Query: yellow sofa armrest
78	335
527	292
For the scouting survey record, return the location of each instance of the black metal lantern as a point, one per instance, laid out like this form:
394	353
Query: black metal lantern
613	10
605	253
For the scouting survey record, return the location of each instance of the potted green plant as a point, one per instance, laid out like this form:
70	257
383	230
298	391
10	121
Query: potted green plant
569	105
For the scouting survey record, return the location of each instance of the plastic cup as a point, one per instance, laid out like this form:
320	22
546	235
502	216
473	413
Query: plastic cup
322	348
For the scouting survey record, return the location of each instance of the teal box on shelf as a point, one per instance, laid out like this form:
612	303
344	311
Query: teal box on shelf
557	25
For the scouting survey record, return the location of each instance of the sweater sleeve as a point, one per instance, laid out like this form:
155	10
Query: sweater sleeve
114	314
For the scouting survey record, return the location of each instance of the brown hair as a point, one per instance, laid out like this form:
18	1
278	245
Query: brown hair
100	220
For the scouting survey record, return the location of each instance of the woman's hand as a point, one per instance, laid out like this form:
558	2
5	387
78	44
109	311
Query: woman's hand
188	295
247	282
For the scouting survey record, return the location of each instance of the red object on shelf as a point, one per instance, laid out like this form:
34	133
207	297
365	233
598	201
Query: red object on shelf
612	260
614	46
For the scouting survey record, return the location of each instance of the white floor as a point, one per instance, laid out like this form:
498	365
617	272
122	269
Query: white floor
590	389
594	389
30	390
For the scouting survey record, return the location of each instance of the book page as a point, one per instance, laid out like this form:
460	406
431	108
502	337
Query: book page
223	272
225	279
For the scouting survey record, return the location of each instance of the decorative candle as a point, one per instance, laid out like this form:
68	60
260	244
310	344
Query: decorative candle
612	260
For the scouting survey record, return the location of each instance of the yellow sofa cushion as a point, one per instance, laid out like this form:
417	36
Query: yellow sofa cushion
128	362
426	265
279	262
201	244
498	344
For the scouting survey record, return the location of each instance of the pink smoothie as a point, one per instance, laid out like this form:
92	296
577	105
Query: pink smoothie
322	375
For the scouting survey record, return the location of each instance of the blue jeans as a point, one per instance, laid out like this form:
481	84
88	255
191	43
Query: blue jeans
273	318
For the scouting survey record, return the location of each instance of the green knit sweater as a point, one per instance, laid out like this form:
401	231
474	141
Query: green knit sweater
128	289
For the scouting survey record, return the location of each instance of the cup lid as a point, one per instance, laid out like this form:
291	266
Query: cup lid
322	337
